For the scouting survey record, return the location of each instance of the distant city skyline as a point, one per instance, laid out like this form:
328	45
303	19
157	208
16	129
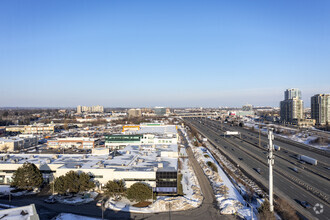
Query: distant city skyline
162	53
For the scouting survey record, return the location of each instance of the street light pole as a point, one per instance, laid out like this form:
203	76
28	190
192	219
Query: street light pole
271	163
102	210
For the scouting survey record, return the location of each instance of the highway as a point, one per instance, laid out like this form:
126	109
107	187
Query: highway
252	157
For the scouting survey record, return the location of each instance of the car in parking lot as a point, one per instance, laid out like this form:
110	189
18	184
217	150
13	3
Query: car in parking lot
50	200
99	202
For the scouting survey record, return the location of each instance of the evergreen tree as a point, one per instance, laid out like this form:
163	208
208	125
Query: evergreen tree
85	182
139	192
115	188
60	185
72	181
27	177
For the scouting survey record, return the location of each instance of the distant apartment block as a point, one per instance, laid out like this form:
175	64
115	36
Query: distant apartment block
320	108
134	113
159	111
292	107
90	109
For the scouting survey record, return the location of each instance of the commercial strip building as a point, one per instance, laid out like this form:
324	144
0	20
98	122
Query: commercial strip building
10	144
320	108
145	134
33	129
76	142
90	109
292	107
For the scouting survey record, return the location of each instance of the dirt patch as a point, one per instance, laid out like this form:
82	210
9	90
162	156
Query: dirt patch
142	204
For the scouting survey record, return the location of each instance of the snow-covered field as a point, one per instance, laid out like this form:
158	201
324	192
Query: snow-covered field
293	134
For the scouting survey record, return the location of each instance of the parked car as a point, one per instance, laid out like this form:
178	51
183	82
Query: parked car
99	203
50	200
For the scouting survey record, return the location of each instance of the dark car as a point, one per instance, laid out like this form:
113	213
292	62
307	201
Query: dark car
50	200
306	204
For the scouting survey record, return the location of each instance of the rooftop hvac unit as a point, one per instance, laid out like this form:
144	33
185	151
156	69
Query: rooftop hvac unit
78	166
102	165
48	160
84	156
55	157
13	161
128	152
6	157
110	157
160	165
31	156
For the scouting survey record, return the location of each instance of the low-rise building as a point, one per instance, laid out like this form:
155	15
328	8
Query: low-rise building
11	144
39	129
75	142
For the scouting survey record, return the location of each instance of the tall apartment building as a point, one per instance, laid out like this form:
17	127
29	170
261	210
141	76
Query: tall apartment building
292	93
90	109
320	108
292	107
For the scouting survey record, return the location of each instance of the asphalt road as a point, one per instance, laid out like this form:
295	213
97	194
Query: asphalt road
282	185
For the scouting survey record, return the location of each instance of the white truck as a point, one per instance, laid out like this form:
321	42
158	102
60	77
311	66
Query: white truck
307	159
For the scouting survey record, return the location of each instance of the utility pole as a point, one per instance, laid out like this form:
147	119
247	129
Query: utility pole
259	135
271	163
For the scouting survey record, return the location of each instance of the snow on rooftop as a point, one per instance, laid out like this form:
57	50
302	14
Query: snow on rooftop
22	213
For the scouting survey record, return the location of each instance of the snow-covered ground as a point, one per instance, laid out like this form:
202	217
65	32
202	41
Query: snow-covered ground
293	134
5	190
68	216
77	199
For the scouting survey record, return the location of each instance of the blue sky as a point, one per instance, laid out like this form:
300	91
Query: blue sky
162	53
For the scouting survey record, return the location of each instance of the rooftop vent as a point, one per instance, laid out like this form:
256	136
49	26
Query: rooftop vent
31	156
160	165
55	156
110	157
102	165
78	166
48	160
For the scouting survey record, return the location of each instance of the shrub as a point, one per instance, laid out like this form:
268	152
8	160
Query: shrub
212	166
139	192
179	184
264	211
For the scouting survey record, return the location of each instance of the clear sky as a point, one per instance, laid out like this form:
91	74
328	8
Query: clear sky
162	53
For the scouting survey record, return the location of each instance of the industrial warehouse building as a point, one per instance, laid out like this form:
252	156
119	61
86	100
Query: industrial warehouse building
142	160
